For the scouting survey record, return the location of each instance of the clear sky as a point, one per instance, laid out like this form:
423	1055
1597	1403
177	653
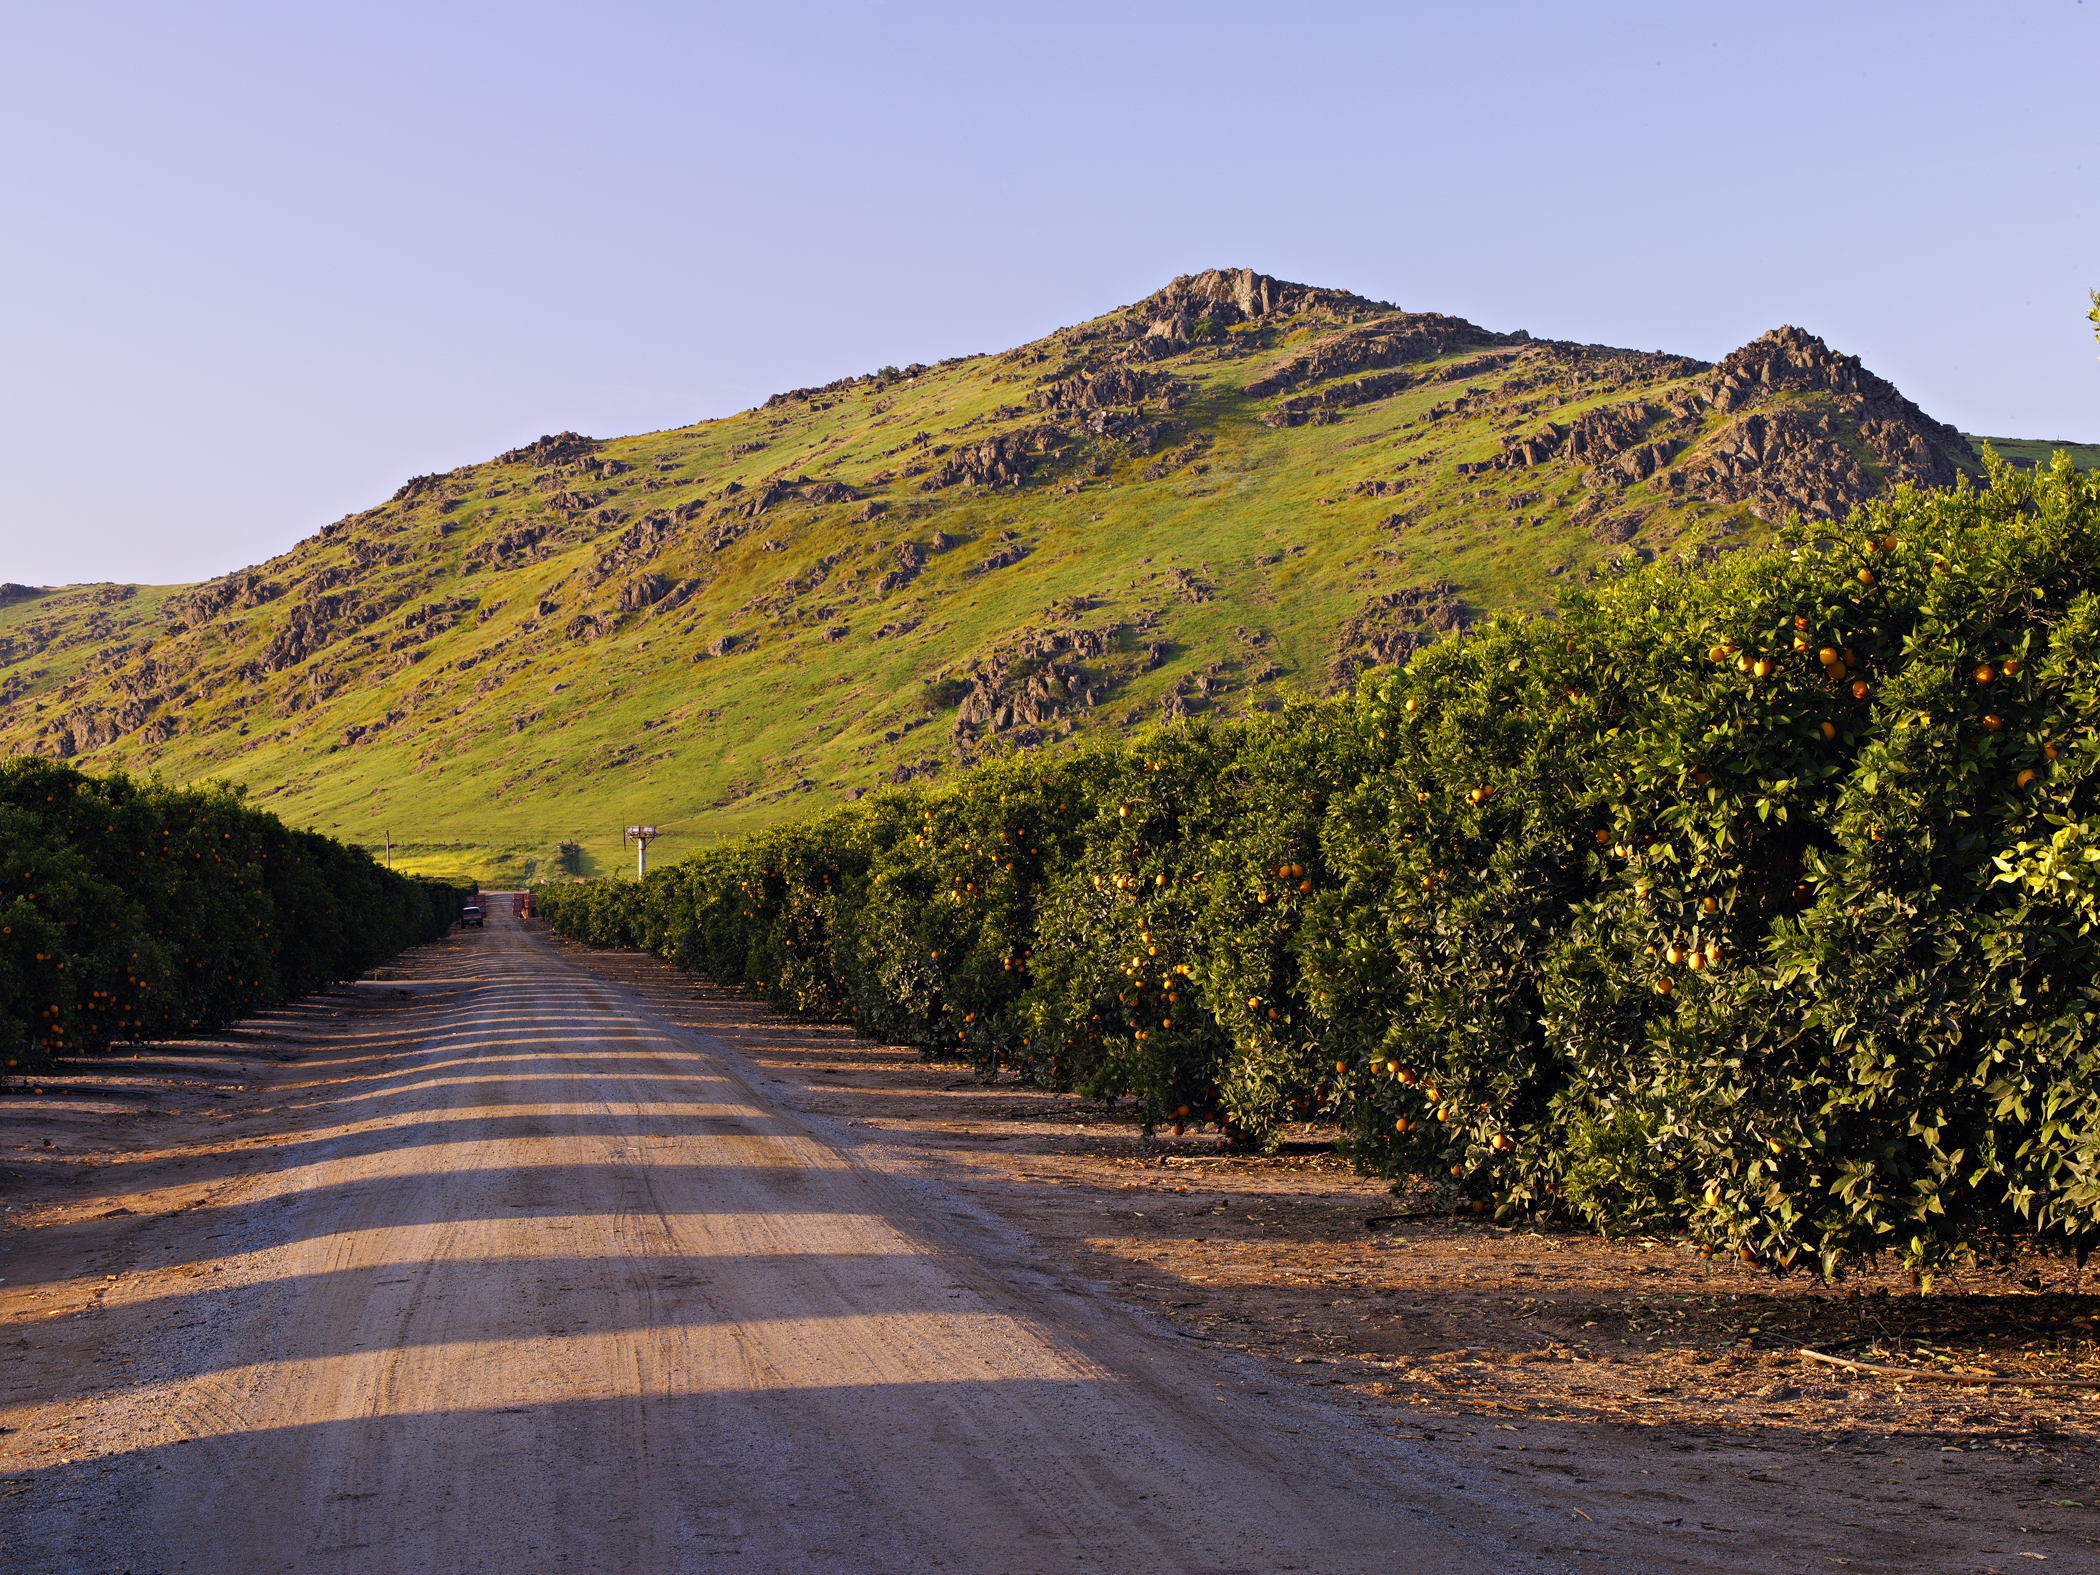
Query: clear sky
263	262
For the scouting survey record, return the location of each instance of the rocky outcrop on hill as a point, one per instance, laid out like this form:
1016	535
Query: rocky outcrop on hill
1815	433
1390	628
560	448
91	728
1033	688
1004	556
643	590
1811	433
640	543
1226	297
216	597
514	548
1110	388
1392	340
1002	460
1630	440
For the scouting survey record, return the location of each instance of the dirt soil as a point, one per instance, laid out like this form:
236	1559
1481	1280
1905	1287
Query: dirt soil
517	1255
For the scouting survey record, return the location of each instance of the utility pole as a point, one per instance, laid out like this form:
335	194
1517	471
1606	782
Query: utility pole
639	836
389	850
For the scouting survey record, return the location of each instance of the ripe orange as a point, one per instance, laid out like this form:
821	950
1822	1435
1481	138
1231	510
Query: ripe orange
1866	576
2026	777
1762	668
1994	723
1403	1125
1663	986
1829	732
1504	1141
1888	544
1800	622
1861	689
1707	905
1341	1066
1828	656
1986	673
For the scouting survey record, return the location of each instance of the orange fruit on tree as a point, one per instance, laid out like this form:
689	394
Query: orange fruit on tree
1986	674
1829	732
2026	777
1993	723
1861	689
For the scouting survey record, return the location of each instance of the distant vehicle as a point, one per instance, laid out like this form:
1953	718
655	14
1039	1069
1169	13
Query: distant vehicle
470	914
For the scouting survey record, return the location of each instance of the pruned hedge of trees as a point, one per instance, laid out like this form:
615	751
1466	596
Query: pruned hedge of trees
1755	902
132	911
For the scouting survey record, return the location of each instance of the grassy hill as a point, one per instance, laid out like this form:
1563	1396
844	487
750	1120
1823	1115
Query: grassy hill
2027	453
1234	489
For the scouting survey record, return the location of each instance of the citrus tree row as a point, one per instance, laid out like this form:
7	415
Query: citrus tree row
1755	903
133	911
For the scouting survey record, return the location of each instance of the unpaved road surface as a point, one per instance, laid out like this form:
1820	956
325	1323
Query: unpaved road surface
521	1255
520	1276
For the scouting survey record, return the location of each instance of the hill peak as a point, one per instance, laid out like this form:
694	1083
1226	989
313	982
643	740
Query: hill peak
1237	488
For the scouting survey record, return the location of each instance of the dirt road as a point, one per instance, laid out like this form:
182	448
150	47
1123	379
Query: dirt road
525	1277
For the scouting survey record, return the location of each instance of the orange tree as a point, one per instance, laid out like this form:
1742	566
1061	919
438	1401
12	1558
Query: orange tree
133	911
1753	901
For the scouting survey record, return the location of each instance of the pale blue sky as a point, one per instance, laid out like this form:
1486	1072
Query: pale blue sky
262	263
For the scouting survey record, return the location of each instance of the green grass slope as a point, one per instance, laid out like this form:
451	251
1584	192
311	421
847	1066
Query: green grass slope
2029	453
1236	488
